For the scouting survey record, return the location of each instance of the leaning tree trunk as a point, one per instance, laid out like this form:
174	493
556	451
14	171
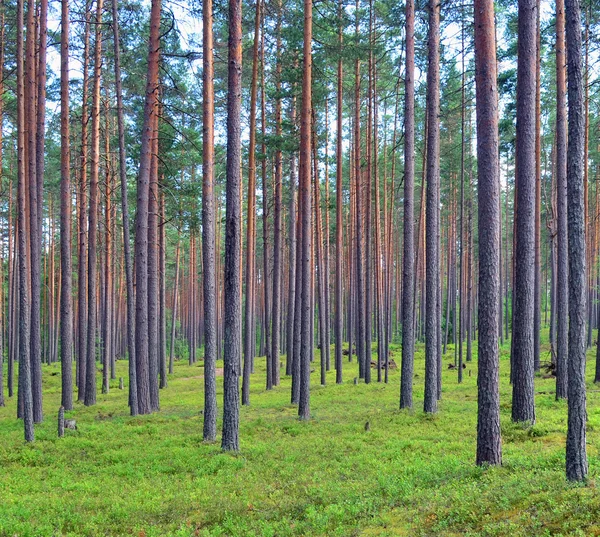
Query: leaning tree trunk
489	447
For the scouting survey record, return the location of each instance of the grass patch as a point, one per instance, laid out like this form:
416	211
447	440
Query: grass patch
409	474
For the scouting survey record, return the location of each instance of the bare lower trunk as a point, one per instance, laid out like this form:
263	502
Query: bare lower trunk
305	208
232	280
562	256
576	456
133	397
141	221
208	231
523	408
432	281
408	267
489	447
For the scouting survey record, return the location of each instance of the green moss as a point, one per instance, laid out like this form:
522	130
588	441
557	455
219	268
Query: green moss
410	474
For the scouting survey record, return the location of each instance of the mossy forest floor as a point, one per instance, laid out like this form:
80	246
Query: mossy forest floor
410	474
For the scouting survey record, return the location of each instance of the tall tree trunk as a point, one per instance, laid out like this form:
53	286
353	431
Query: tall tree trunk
82	276
35	243
408	268
360	276
153	273
90	387
25	389
368	210
107	318
576	456
8	231
133	394
523	405
141	220
209	279
232	280
562	256
432	217
461	238
290	323
305	208
339	208
266	324
66	304
537	289
249	333
318	227
277	250
489	447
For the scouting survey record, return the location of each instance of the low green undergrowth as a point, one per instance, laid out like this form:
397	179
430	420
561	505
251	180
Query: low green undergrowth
409	474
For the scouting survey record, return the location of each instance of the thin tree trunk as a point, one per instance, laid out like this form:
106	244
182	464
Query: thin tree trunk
175	306
209	279
35	242
25	389
133	393
338	214
153	274
562	255
408	267
360	276
66	305
249	333
277	250
82	277
90	388
537	289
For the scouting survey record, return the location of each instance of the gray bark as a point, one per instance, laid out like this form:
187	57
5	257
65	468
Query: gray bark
233	229
523	405
408	270
576	456
562	255
432	278
489	448
209	279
